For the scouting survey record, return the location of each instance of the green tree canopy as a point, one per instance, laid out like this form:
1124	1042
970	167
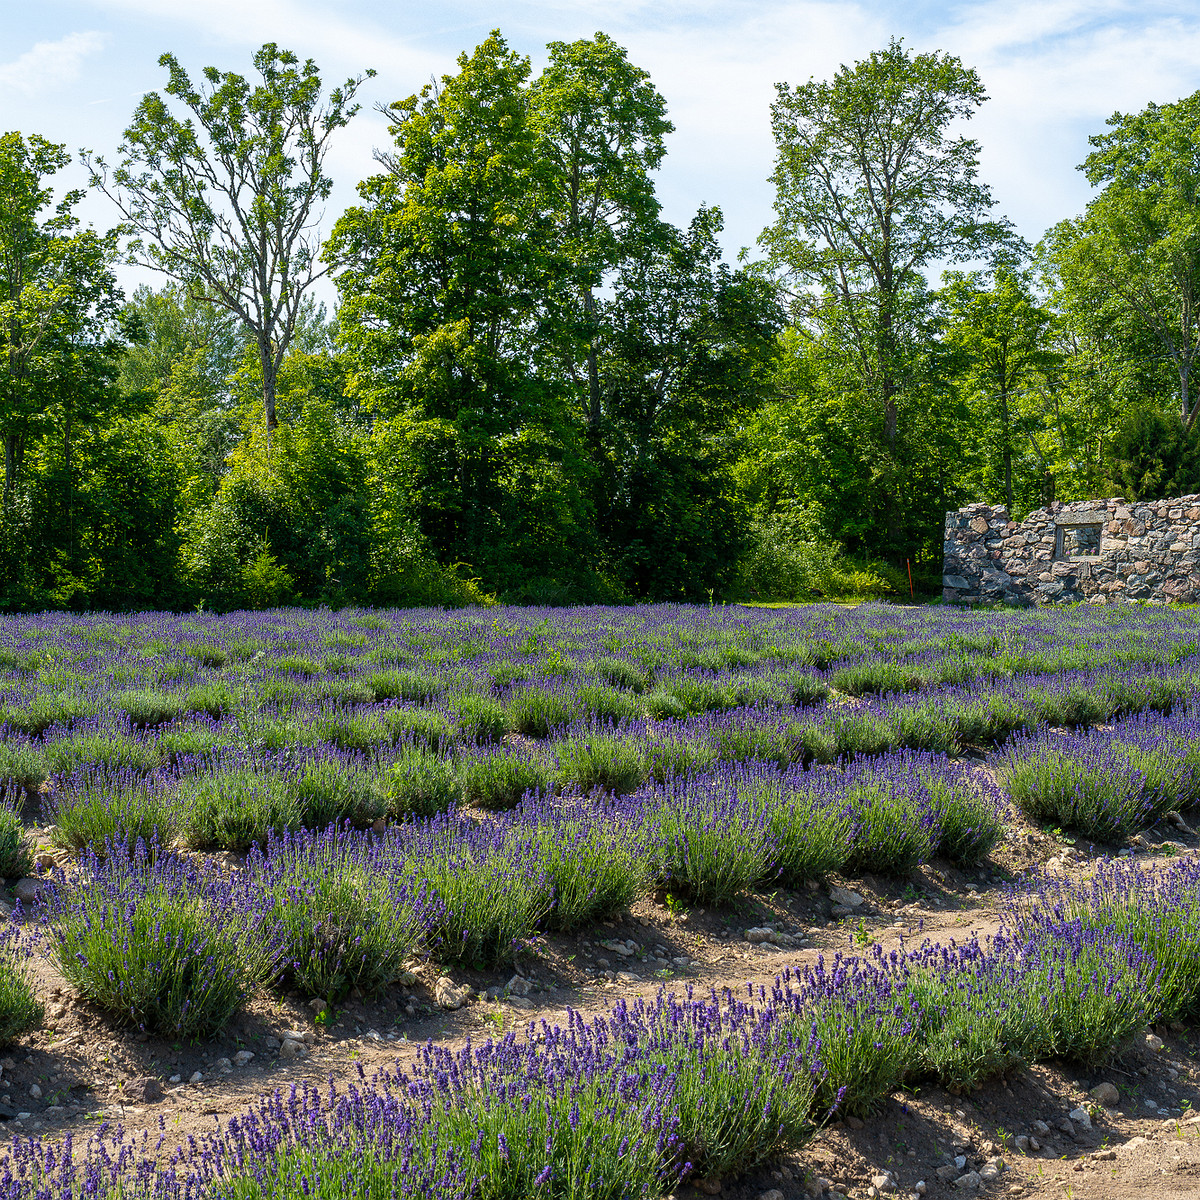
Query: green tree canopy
871	188
226	200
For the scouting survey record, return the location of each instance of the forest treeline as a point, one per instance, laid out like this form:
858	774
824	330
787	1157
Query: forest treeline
532	386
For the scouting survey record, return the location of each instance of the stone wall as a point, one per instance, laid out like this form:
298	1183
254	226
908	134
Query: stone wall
1102	551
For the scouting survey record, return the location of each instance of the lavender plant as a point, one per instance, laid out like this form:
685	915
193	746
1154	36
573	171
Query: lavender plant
154	941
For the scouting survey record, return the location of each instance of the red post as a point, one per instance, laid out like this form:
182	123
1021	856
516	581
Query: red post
910	586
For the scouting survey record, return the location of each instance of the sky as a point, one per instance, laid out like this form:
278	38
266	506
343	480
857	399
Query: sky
1054	70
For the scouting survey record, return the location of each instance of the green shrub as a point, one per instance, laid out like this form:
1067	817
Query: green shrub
145	709
111	751
334	924
423	726
404	685
663	706
22	765
43	711
970	824
15	859
698	694
674	756
208	656
98	810
1058	790
965	1033
596	869
788	559
498	780
342	692
606	703
535	711
709	855
420	784
889	837
619	673
234	809
812	840
215	699
293	664
480	718
193	741
608	761
361	733
332	792
491	907
20	1009
152	954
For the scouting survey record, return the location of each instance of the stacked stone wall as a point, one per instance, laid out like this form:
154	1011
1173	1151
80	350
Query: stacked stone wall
1102	551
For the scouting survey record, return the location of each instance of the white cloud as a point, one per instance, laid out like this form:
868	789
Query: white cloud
50	64
353	40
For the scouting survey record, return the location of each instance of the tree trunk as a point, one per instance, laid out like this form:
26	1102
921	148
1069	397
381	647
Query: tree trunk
270	374
1007	452
593	364
10	467
14	451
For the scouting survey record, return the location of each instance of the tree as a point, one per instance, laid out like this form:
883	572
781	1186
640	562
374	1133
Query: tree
1002	336
870	189
57	297
688	348
1139	241
1153	457
455	317
603	125
225	201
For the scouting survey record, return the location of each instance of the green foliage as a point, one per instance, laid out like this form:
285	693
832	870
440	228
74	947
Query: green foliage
22	765
179	972
20	1008
244	238
234	809
871	187
95	811
420	784
607	761
335	925
480	718
328	793
146	709
499	780
1152	456
15	859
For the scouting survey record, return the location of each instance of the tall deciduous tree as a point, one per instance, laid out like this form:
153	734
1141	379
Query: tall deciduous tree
871	187
689	346
1139	240
603	125
226	200
57	293
456	317
1002	335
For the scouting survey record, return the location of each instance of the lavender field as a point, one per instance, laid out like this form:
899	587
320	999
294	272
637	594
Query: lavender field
302	803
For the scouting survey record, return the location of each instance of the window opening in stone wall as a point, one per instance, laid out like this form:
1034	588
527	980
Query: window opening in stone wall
1079	541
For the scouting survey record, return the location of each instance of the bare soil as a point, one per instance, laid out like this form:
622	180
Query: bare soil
88	1070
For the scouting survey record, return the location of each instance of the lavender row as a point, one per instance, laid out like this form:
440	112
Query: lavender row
175	944
402	760
1106	782
650	1094
354	657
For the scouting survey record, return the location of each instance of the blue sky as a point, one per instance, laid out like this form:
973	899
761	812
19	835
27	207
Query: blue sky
1055	69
